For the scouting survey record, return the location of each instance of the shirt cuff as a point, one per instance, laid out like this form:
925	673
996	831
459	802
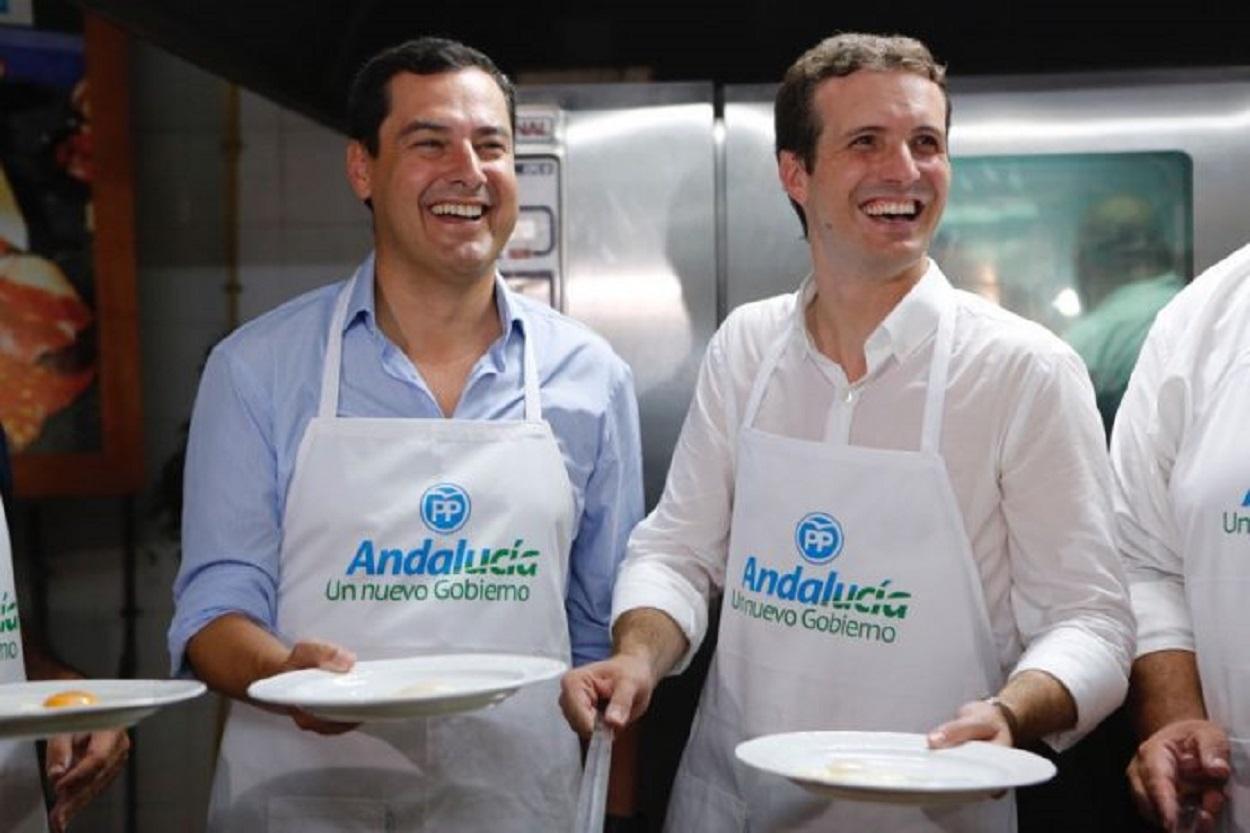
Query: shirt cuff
648	584
1163	621
204	600
1095	678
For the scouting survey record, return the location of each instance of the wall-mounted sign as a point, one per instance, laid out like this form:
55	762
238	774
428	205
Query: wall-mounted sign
535	125
531	261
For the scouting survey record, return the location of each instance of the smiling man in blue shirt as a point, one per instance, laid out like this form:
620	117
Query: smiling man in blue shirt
335	423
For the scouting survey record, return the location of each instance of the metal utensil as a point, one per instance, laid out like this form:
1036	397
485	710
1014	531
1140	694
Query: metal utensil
592	793
1187	818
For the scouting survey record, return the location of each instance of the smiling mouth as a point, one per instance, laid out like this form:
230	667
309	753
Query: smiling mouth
459	210
894	211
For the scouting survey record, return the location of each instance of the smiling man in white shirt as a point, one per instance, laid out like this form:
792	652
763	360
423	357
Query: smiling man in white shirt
900	489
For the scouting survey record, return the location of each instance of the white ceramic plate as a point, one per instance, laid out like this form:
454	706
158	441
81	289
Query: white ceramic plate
396	689
893	767
122	703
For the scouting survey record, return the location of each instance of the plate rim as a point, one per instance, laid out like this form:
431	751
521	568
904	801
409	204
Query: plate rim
902	741
260	689
95	716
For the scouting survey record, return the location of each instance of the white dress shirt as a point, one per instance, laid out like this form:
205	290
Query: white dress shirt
1198	342
1022	441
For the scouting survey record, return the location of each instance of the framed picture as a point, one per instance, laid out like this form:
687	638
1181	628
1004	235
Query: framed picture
69	346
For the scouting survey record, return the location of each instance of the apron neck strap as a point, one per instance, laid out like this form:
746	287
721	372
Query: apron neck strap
939	369
533	403
775	351
331	371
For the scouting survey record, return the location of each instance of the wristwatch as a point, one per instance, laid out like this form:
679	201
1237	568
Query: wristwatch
1009	716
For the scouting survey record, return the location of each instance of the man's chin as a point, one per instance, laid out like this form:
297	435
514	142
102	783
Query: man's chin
471	263
903	262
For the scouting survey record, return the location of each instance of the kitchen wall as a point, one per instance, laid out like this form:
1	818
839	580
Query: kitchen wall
298	226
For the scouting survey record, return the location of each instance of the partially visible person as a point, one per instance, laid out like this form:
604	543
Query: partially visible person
1182	475
1126	272
78	767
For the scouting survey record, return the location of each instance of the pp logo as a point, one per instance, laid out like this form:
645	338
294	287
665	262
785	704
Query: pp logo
445	507
818	537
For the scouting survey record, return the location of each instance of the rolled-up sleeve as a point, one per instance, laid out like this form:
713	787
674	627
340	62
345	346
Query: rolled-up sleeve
1068	589
1144	444
612	505
230	525
677	554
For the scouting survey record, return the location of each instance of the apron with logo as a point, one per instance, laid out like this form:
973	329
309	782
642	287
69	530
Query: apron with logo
405	537
1211	492
21	793
851	603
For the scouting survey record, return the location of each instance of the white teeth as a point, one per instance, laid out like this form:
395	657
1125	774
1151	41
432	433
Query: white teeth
457	209
879	208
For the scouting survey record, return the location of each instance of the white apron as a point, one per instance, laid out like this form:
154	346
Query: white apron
417	536
851	602
1210	490
21	793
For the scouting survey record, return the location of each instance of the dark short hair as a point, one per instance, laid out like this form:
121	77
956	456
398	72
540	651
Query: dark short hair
795	120
369	101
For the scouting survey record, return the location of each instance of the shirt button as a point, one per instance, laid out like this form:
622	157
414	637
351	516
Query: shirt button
850	397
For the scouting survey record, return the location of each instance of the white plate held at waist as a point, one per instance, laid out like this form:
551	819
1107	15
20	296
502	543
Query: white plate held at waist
893	767
397	689
121	703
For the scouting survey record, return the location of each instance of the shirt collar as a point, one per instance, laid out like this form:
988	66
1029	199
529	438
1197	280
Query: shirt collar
915	318
904	329
361	306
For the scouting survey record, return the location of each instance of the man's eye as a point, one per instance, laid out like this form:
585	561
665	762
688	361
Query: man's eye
862	141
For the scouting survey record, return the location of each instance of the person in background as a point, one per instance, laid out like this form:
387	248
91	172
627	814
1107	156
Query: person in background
901	489
78	767
1126	272
1182	504
419	406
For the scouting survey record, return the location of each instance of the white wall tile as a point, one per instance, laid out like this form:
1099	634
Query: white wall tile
314	179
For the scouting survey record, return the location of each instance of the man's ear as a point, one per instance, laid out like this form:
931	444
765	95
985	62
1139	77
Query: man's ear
360	170
793	175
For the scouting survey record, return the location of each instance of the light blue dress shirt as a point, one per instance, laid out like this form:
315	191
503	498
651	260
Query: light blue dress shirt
260	388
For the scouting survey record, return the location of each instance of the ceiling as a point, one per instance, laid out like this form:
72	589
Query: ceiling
302	53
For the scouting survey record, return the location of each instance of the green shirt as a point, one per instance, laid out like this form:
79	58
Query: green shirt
1110	336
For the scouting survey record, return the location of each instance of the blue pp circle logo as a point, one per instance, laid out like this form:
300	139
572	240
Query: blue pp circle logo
818	537
445	507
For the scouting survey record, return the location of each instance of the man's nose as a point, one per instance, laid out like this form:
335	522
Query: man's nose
466	167
899	165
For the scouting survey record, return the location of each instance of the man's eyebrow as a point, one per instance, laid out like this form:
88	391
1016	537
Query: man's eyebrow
862	128
493	130
420	124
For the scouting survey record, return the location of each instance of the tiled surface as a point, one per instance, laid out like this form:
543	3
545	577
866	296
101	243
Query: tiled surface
260	176
168	93
314	179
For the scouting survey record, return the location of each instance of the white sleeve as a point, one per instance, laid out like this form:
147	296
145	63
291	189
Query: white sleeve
1148	431
676	556
1068	589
